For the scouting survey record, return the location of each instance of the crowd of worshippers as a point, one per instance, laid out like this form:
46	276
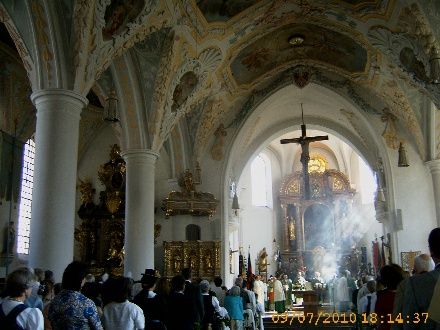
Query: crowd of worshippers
32	299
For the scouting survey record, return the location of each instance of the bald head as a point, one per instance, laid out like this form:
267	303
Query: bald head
423	263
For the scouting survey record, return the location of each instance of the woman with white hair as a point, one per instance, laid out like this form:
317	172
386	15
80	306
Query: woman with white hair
13	312
211	305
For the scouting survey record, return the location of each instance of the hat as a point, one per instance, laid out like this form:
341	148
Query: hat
150	277
151	272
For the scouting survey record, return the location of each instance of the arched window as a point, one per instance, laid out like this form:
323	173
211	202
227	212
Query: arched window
261	180
192	233
368	183
27	182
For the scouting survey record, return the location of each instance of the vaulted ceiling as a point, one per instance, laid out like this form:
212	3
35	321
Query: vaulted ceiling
183	68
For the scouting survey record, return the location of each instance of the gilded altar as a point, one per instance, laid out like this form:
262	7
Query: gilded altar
203	257
317	228
100	237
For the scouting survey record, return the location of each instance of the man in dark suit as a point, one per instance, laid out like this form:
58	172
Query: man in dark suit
193	291
420	288
183	315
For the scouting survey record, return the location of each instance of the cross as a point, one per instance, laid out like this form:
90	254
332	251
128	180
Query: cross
304	141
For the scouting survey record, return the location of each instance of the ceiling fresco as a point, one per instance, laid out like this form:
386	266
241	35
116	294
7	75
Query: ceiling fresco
320	45
223	10
216	71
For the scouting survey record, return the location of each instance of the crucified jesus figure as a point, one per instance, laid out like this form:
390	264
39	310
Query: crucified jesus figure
304	141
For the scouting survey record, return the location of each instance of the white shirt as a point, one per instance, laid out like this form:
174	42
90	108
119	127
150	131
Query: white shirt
29	319
363	303
123	316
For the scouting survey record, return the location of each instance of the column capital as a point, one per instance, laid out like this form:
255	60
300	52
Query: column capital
139	154
433	165
57	94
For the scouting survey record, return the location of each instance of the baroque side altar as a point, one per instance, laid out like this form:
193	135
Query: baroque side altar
203	257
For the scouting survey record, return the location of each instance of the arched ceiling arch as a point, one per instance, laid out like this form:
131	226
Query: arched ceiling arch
324	110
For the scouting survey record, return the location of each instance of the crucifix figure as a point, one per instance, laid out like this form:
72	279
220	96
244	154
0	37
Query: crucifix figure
304	141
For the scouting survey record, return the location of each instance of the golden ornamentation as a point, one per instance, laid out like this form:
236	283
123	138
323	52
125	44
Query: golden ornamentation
189	201
294	187
202	256
113	201
100	236
79	234
112	175
317	164
87	191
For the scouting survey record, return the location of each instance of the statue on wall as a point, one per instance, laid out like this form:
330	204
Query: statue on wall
263	260
292	229
177	264
87	191
9	238
116	250
208	264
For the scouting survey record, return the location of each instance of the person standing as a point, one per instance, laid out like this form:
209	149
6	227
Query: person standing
119	313
342	293
70	309
182	314
391	276
259	289
422	263
144	299
234	306
219	292
279	296
195	294
287	286
420	288
13	312
364	306
271	293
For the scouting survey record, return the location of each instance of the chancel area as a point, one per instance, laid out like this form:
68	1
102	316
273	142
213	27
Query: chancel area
218	135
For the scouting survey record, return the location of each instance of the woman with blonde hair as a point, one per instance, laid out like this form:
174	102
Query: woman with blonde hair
13	311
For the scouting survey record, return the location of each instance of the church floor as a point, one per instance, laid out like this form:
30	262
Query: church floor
327	317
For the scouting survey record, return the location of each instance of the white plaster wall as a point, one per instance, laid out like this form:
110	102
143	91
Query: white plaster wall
258	225
413	194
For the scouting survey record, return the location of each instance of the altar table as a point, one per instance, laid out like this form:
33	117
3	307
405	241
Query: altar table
310	299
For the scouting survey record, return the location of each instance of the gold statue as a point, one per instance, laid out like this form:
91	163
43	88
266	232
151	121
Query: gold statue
208	264
87	191
263	260
292	229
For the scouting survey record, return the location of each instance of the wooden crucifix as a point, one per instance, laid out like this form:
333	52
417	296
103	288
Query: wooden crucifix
304	141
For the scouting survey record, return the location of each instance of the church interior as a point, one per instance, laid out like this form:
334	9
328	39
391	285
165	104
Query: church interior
218	135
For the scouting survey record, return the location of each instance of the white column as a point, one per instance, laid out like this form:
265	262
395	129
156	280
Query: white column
55	171
139	210
434	167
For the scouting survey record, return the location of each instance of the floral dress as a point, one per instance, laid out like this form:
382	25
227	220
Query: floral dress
72	310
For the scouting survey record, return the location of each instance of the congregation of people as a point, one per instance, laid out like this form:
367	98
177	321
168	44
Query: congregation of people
33	299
